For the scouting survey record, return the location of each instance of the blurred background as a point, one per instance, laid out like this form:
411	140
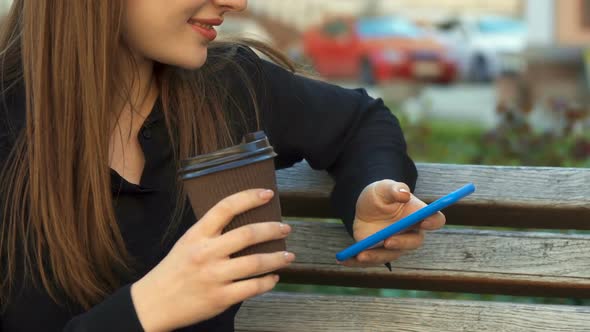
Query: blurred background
503	82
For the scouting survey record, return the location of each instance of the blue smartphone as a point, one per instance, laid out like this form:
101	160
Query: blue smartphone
406	222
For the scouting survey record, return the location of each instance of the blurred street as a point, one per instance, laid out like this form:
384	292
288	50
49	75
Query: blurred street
464	102
471	103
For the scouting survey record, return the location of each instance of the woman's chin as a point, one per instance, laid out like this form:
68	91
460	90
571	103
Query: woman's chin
191	65
195	61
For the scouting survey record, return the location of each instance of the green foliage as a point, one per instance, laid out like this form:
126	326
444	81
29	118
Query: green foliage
511	144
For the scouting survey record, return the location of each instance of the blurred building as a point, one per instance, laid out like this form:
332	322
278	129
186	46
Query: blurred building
302	13
558	22
559	40
558	63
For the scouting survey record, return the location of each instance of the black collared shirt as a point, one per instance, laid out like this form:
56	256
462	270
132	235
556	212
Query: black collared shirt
344	131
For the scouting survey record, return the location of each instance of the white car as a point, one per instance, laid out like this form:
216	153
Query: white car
485	47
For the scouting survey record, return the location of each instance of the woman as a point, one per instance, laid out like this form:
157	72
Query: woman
100	101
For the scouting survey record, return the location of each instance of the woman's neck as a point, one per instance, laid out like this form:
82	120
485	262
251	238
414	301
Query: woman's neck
125	153
142	88
135	102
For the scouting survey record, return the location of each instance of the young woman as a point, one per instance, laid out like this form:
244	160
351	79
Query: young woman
100	100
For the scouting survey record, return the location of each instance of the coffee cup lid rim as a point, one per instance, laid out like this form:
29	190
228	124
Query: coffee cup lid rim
253	144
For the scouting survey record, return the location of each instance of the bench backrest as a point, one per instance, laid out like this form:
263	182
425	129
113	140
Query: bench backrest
474	259
463	260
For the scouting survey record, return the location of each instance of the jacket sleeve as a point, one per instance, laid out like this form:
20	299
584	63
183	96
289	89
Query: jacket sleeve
353	136
115	313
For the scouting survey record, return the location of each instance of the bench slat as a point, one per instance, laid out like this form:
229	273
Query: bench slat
515	263
297	312
527	197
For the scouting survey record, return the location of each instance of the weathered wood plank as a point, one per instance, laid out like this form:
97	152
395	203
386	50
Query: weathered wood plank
526	197
516	263
296	312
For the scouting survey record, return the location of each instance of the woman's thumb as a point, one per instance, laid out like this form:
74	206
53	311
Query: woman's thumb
393	192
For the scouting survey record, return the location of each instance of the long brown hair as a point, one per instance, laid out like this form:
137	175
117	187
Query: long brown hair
58	223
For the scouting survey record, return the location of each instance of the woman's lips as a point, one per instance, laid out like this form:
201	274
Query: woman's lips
205	27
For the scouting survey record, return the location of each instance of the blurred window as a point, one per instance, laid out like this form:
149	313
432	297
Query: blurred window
387	27
448	25
500	26
336	29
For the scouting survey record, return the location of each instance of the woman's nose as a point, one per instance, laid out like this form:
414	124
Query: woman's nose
232	5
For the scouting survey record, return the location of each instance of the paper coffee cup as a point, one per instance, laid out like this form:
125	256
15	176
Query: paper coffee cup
211	177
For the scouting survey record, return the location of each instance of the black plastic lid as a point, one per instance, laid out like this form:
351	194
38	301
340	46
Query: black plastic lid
254	148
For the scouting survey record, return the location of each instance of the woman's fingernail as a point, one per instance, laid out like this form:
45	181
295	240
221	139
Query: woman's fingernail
392	243
276	278
285	229
266	194
427	224
289	257
405	194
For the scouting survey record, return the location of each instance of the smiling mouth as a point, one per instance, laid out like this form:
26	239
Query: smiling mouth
205	27
202	25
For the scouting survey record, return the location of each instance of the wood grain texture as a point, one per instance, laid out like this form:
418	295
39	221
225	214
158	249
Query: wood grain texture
296	312
531	197
515	263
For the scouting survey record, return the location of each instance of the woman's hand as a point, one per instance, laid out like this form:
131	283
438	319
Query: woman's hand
379	205
196	280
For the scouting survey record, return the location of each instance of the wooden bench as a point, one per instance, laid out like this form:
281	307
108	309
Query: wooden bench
472	260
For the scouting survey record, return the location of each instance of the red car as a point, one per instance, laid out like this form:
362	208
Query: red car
374	50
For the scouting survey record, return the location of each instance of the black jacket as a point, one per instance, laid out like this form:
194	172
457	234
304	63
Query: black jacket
346	132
